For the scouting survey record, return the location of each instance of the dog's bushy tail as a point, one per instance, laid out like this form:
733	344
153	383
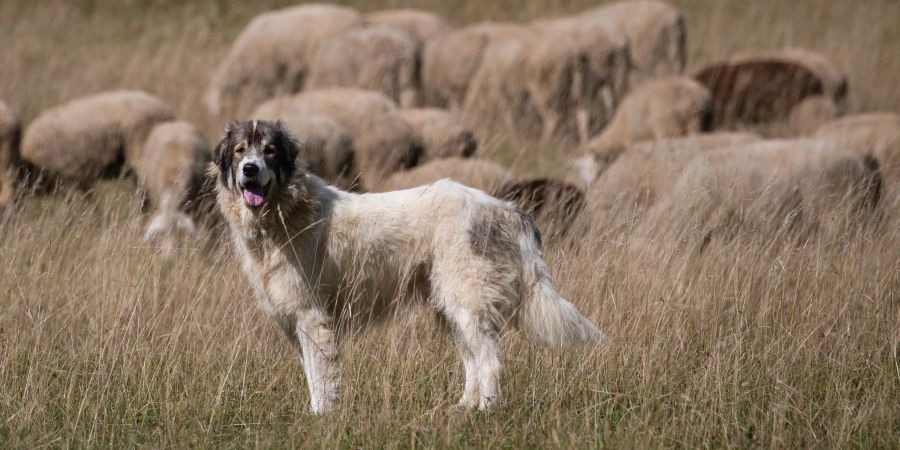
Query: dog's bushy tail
545	317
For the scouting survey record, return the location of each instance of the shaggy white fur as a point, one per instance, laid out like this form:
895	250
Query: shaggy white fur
323	261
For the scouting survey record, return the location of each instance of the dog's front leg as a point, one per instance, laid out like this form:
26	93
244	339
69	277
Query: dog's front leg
318	354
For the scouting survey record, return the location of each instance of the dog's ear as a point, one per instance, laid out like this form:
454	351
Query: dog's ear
288	144
222	155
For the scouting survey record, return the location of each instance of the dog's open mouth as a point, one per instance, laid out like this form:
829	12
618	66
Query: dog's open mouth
254	194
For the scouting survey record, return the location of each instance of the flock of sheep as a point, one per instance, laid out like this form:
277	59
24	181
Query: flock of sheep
385	101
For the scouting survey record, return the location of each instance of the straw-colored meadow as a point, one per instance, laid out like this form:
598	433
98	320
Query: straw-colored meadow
758	341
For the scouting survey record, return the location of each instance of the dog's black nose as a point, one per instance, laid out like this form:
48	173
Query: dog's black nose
250	170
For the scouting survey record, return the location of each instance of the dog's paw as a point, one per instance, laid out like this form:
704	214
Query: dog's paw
486	403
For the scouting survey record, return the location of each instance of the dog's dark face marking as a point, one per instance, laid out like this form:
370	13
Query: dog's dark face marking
255	158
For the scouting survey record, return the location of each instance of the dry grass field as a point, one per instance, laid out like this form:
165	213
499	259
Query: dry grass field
760	341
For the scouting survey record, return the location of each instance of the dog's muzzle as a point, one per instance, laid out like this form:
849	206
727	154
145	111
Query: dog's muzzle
254	178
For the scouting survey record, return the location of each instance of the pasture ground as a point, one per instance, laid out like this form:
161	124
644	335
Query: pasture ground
758	342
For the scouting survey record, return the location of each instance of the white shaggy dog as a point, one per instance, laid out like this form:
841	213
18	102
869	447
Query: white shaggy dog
322	260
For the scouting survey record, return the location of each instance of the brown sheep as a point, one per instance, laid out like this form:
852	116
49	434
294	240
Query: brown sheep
766	87
561	78
10	132
444	134
553	204
170	167
658	109
656	33
450	60
91	137
377	58
636	179
476	173
385	143
327	148
422	26
767	189
272	54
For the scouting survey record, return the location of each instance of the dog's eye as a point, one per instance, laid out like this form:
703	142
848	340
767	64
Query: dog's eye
269	150
238	150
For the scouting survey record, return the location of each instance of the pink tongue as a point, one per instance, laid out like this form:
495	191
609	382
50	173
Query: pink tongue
253	198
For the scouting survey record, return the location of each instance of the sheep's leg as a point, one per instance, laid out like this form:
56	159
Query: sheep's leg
583	121
550	122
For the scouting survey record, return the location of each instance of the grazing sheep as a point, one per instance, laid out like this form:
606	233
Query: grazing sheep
449	62
385	143
422	26
90	137
10	132
376	58
326	147
553	204
658	109
810	114
272	54
576	87
766	87
170	167
634	181
656	33
563	78
766	189
444	134
875	133
476	173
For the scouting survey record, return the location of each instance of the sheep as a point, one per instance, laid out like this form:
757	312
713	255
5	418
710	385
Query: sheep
561	79
385	143
658	109
809	115
553	204
326	149
878	133
638	177
834	81
377	58
422	26
764	87
767	189
656	33
170	167
476	173
449	61
272	54
91	137
576	87
444	134
10	133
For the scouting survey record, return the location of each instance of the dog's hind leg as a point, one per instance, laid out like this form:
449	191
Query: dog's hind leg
469	398
318	353
480	339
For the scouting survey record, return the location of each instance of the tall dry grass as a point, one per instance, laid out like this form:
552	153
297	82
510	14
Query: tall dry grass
755	342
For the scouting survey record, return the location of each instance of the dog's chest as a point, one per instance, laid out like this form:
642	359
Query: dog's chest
281	285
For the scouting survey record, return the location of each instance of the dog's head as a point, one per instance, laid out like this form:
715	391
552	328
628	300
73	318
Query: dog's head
256	159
